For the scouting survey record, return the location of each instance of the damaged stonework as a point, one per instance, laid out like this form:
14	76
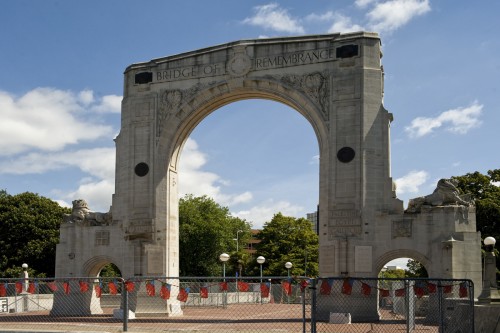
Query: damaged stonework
82	214
445	194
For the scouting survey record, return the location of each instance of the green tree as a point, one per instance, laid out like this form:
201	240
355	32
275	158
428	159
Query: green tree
29	229
415	269
392	274
286	238
206	230
110	270
487	199
485	192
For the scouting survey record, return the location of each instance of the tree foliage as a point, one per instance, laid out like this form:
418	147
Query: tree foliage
110	270
29	229
415	269
286	238
485	191
487	199
392	274
206	230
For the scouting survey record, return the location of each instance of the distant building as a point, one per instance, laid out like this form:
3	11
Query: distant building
252	242
393	268
313	218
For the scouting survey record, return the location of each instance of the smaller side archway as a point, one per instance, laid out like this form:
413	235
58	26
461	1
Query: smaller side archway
94	265
402	253
87	302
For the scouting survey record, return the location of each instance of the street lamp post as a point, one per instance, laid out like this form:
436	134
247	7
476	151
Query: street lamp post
26	277
490	288
223	258
260	261
288	266
237	239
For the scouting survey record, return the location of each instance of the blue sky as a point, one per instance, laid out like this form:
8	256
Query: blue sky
61	80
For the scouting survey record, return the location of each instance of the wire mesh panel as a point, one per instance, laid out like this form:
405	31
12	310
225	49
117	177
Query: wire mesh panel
391	305
68	304
219	305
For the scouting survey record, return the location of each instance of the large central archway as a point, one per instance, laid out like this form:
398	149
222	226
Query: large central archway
322	77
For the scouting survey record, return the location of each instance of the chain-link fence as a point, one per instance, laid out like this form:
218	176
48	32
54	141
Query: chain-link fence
237	305
392	305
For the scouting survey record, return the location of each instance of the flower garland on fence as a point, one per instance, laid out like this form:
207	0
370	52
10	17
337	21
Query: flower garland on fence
420	288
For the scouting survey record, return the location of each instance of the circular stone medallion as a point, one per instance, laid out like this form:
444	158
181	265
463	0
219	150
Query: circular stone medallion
141	169
239	65
346	154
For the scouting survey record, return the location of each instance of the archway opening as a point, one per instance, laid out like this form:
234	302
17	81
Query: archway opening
403	268
257	158
110	270
392	285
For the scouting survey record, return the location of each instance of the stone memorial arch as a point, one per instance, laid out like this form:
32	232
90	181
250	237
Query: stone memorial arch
336	82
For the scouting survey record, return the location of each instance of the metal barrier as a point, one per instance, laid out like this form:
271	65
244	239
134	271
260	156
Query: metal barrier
390	305
249	304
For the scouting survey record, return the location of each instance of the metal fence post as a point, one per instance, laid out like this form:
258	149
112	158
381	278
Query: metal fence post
313	306
440	307
303	310
471	304
125	306
407	305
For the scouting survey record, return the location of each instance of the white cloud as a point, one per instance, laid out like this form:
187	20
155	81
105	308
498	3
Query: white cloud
50	119
98	194
343	24
109	103
411	182
272	17
193	180
86	97
242	198
63	203
363	3
327	16
381	16
98	162
390	15
260	214
314	160
339	22
459	120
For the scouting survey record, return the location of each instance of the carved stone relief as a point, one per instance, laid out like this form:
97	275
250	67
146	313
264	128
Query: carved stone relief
314	85
401	228
239	65
170	103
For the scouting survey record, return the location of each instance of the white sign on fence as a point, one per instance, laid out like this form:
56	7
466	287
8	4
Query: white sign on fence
4	305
